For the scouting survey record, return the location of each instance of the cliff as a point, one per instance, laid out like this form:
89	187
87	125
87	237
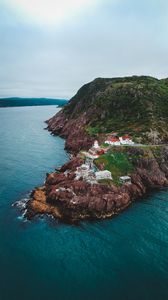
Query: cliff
136	105
71	200
133	105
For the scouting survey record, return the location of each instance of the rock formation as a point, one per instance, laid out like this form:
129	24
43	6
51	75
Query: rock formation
72	200
133	105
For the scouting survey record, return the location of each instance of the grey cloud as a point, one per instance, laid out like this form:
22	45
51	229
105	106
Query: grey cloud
113	40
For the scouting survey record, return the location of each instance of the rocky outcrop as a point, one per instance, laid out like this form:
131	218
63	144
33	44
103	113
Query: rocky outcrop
73	130
72	200
137	104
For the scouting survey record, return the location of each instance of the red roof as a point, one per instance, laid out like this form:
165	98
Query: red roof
126	137
100	152
114	140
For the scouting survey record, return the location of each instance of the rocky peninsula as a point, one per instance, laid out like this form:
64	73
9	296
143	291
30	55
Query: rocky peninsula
136	106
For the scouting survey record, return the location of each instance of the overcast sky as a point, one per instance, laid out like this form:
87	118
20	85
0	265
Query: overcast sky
49	48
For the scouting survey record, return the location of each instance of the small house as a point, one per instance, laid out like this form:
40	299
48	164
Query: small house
126	140
103	175
125	179
114	141
96	145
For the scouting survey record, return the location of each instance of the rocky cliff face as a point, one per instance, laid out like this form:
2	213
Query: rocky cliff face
73	130
134	105
72	200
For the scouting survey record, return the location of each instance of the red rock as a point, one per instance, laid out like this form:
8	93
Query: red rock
72	164
79	187
55	178
73	200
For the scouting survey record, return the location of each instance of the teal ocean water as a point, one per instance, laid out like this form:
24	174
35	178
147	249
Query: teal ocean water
125	258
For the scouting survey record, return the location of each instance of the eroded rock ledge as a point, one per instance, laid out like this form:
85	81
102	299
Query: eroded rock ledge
136	105
71	200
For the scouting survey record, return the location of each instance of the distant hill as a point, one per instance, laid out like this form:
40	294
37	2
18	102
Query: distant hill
16	101
136	105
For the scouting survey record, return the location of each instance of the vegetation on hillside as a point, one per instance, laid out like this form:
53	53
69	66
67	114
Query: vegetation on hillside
122	160
117	161
136	105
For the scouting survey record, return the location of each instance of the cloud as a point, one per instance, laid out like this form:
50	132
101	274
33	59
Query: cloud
49	12
116	38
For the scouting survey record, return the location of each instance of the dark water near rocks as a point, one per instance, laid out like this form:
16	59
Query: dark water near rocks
122	258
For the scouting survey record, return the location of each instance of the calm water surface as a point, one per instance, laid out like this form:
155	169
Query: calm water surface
123	258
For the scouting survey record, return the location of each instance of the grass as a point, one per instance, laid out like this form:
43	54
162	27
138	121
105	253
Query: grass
108	182
134	105
118	163
92	131
104	145
122	160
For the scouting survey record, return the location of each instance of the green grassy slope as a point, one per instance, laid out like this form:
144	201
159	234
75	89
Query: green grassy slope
136	105
122	160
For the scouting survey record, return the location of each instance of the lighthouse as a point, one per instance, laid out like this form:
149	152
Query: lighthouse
96	145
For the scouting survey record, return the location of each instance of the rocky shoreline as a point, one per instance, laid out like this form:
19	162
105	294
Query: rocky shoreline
135	106
71	200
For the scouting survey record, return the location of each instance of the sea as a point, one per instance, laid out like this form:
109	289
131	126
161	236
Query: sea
123	258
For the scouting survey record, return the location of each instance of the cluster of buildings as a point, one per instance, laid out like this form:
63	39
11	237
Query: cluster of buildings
95	151
92	175
117	141
89	172
86	171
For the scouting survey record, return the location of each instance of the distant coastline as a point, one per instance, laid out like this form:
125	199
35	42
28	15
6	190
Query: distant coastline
17	101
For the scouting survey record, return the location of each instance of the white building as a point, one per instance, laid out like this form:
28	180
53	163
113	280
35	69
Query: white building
103	175
113	142
96	145
122	142
125	179
85	172
126	140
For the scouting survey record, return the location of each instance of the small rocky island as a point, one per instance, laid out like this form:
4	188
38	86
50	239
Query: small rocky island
117	132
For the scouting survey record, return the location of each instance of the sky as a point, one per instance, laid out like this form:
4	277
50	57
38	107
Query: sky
50	48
